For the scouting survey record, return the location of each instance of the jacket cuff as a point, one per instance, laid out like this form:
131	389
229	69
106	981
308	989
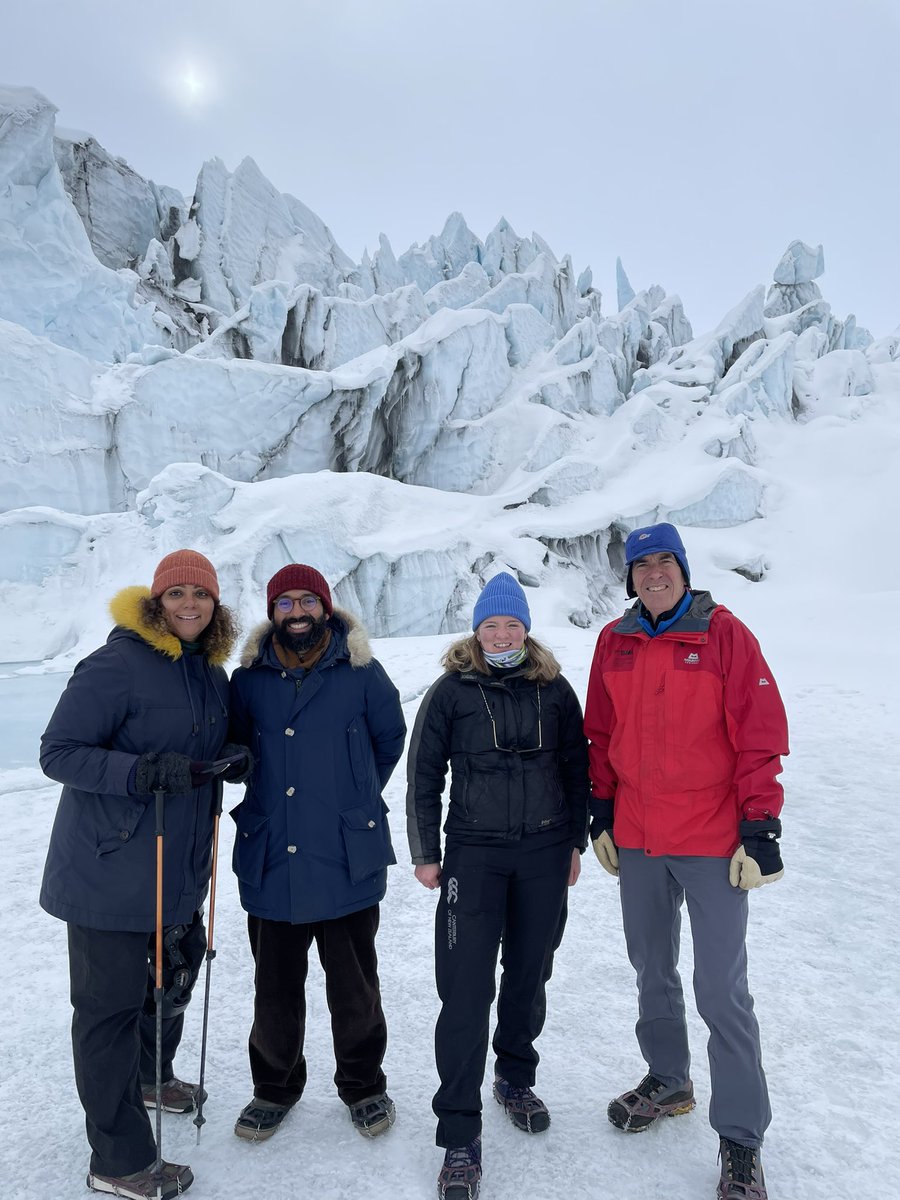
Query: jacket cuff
601	811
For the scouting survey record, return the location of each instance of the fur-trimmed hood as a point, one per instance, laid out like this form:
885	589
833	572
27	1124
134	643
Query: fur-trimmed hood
127	610
359	647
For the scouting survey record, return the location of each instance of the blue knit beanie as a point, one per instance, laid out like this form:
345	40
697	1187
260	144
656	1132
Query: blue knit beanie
501	597
654	539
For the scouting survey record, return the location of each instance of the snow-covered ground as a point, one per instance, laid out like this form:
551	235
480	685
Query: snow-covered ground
823	942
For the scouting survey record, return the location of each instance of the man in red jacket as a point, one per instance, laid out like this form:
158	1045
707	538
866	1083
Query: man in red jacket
686	730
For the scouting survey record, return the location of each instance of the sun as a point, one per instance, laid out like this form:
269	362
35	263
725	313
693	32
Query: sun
191	85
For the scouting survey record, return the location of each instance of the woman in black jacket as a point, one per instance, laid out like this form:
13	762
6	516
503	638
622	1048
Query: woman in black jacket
510	728
146	712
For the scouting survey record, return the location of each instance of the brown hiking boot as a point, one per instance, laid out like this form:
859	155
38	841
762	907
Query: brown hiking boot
637	1110
177	1097
142	1184
742	1173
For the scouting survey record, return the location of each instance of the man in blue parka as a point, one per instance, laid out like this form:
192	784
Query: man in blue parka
312	846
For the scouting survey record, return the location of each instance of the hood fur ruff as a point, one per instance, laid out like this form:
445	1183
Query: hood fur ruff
125	608
357	640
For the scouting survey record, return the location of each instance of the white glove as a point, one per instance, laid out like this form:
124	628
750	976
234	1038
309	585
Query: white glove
607	854
744	872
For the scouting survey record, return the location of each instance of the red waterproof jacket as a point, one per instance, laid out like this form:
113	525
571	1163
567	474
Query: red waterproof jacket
686	731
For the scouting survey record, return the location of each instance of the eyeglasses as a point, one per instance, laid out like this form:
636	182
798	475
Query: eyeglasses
285	604
507	749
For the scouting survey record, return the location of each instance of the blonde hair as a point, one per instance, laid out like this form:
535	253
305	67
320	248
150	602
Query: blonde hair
466	654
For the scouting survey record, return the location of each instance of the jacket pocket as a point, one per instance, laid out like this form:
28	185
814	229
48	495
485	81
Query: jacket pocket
484	799
367	841
249	854
114	839
545	801
359	751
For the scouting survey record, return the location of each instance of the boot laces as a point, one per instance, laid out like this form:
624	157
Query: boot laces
522	1097
740	1161
649	1086
460	1158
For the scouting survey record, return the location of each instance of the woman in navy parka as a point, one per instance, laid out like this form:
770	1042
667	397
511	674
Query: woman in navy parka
145	712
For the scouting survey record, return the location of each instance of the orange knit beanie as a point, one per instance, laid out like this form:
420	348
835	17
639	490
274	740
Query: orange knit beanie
185	566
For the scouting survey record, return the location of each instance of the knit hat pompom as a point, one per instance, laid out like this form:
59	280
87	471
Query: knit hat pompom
298	577
501	596
185	566
654	539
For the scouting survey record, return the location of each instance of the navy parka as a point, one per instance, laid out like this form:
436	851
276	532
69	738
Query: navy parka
312	841
138	693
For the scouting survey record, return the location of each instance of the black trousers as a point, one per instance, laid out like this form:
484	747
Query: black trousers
114	1037
510	894
346	949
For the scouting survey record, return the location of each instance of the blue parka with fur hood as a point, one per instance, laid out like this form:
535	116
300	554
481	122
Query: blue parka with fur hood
312	841
138	693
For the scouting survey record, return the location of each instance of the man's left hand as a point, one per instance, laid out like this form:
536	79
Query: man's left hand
758	859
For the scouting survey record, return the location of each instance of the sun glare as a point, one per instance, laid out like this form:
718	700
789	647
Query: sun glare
191	85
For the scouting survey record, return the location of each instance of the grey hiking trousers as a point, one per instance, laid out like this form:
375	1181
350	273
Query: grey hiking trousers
652	891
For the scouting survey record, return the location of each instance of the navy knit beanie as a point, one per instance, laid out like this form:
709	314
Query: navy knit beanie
501	597
654	539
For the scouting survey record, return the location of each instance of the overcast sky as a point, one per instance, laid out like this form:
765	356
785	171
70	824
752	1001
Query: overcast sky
693	138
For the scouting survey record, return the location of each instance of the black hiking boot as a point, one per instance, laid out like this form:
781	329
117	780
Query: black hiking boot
637	1110
460	1176
742	1173
522	1106
373	1115
260	1119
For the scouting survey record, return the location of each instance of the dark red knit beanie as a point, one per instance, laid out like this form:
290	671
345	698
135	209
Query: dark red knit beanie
298	577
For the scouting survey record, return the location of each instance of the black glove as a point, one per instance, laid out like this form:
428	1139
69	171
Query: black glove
167	772
758	858
243	768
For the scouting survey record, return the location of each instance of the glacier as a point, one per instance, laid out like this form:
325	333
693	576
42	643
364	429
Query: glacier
215	371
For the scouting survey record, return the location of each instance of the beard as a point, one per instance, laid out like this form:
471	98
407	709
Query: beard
302	643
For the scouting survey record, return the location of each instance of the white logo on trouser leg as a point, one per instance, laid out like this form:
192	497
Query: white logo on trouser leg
452	898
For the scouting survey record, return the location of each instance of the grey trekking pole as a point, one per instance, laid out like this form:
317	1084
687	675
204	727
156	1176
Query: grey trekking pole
200	1120
158	989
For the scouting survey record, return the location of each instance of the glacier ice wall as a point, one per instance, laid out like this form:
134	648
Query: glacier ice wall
217	372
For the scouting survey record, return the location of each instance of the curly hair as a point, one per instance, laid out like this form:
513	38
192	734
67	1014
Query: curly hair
466	654
217	639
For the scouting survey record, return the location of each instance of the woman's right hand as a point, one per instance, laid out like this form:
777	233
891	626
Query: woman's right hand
429	875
